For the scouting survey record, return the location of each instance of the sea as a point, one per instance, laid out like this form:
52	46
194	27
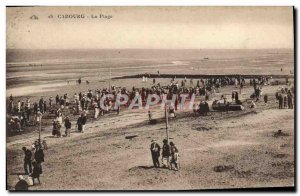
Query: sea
46	68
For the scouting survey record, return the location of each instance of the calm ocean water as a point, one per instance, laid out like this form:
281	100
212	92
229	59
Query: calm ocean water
31	71
25	56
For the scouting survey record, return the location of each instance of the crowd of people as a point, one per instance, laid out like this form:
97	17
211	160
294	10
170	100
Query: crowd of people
285	98
24	113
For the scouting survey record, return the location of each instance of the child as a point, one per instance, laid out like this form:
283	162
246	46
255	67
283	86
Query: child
174	157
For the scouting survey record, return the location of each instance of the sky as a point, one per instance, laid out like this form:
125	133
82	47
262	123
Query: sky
150	28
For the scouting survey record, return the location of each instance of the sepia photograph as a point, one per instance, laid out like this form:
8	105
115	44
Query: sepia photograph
150	98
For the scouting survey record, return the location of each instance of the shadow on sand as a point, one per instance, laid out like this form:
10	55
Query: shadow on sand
145	167
18	173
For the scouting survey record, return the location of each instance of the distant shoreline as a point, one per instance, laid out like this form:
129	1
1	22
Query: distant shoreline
55	49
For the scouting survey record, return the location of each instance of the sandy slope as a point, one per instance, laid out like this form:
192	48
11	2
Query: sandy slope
230	150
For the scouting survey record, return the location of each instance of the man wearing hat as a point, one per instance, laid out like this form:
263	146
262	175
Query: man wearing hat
155	152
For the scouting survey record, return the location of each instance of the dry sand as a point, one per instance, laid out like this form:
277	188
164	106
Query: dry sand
222	150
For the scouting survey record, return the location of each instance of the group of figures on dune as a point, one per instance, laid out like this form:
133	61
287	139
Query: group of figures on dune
170	155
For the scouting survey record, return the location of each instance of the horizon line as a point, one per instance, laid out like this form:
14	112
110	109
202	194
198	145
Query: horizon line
148	48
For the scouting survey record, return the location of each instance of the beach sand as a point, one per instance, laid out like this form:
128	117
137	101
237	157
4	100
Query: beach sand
238	149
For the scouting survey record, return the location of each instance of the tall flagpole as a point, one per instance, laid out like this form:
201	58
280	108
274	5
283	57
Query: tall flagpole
167	122
109	79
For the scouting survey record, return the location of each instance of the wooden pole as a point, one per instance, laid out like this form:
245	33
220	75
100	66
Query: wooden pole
167	122
109	78
40	131
40	127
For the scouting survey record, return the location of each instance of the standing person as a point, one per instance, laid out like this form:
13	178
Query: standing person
59	121
11	106
11	98
155	153
80	96
62	102
19	106
201	108
54	129
45	106
81	121
241	87
118	109
27	107
176	102
41	105
68	126
84	119
35	108
266	98
166	153
174	156
57	100
232	96
39	157
280	100
66	98
36	172
206	108
76	98
290	100
50	101
285	101
149	115
82	102
236	97
27	110
96	110
27	160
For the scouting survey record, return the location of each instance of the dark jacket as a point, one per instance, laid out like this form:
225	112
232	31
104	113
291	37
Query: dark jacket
166	150
155	149
83	120
36	172
67	124
39	156
28	155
